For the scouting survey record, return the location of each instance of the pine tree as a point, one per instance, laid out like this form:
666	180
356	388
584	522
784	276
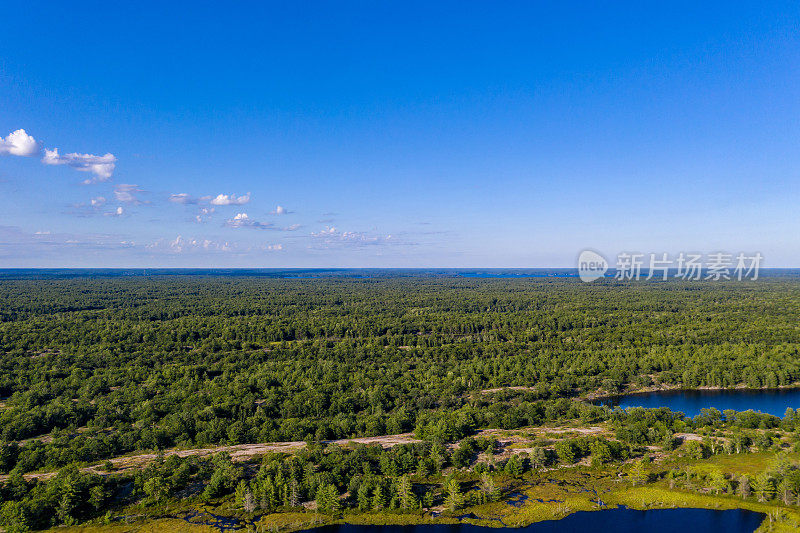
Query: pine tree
785	491
639	473
454	499
363	497
405	493
744	486
261	496
764	487
741	441
244	495
15	517
600	452
514	466
294	493
423	468
69	499
265	494
718	482
378	498
66	506
437	456
565	452
335	502
328	499
427	499
538	458
241	488
156	488
97	497
793	480
489	488
249	502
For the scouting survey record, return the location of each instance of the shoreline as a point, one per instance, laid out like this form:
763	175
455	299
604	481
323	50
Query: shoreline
667	500
604	395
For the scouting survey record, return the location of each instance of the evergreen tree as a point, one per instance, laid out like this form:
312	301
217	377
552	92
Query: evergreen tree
514	466
565	452
363	497
489	488
424	467
97	497
156	488
378	498
639	473
745	486
294	493
793	481
600	452
538	458
405	493
328	499
764	487
437	456
68	500
718	483
454	499
427	499
785	491
244	495
15	517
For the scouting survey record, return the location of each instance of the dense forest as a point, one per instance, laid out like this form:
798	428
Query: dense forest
95	368
107	366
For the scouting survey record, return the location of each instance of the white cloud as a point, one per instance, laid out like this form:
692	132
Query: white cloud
327	232
204	214
102	166
330	237
224	199
19	143
242	220
182	198
127	193
185	245
94	207
280	210
18	244
273	247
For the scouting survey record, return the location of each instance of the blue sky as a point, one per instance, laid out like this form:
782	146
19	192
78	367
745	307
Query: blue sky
430	134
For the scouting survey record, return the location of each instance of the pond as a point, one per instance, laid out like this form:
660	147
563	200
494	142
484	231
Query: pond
689	402
619	520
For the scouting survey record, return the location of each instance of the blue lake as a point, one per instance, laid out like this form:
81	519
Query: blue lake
620	520
689	402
